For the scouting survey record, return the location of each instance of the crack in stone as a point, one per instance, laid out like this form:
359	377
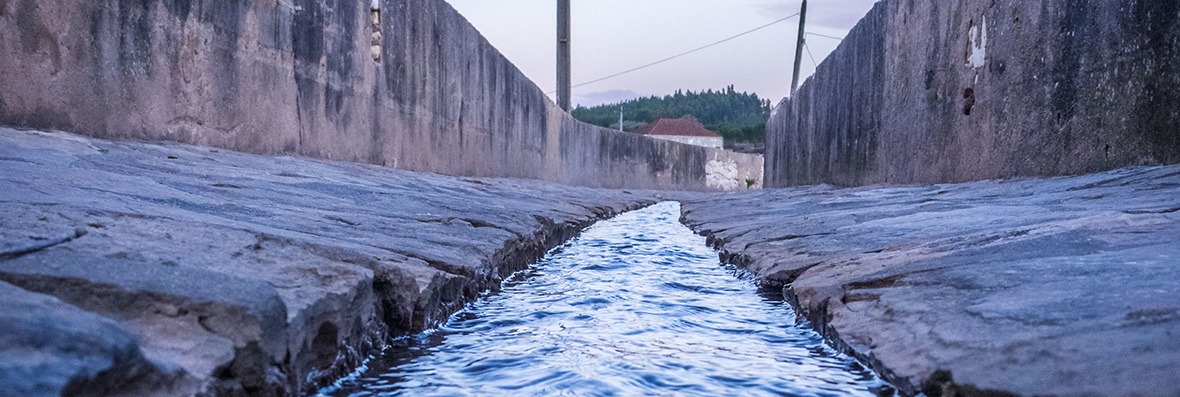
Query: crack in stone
793	237
476	223
441	266
1153	212
41	246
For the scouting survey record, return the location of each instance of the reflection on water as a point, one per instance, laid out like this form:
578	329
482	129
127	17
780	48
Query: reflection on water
636	305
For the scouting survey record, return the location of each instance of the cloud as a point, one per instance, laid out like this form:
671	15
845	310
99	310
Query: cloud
837	15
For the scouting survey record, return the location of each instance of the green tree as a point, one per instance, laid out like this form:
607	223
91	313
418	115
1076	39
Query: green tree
740	117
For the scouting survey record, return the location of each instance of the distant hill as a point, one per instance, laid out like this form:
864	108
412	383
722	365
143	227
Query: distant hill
740	117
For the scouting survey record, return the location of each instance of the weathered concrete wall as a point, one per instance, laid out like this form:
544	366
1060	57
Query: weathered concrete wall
727	170
298	76
937	91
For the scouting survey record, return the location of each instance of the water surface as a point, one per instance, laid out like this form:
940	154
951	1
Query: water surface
636	305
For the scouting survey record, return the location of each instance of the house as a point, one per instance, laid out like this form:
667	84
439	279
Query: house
684	130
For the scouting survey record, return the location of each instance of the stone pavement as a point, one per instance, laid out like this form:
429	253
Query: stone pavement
1062	286
132	268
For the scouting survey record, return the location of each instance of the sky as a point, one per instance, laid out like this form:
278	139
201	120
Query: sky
610	36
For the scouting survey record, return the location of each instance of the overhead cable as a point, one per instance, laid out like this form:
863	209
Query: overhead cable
719	42
808	48
825	36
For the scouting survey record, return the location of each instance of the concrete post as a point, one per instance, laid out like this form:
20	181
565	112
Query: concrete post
799	47
564	85
620	118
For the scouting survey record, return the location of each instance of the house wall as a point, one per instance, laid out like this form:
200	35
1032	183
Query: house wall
703	141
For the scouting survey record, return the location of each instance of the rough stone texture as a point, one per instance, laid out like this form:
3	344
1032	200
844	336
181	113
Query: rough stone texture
933	91
299	77
49	348
258	275
1064	286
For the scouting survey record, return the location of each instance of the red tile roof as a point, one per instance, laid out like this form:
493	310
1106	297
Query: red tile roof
686	126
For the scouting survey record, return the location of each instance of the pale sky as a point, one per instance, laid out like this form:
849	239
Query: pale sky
611	36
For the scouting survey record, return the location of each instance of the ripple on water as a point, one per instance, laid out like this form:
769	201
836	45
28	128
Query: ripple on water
636	305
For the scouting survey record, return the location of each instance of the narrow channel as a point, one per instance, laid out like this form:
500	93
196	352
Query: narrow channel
636	305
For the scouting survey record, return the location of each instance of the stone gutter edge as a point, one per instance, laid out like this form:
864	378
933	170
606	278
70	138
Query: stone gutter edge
517	255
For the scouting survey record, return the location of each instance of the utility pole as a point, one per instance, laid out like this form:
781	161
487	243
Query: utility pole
799	47
620	118
564	86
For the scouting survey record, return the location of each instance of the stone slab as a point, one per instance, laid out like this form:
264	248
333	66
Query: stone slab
49	348
1062	286
265	275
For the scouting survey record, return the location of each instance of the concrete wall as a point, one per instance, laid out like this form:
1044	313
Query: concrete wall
298	76
727	170
926	91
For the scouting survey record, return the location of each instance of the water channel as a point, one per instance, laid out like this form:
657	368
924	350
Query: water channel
636	305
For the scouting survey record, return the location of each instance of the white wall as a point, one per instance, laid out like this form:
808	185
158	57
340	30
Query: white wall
713	142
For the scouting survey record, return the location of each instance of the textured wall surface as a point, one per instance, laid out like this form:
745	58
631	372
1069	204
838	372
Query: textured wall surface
926	91
729	171
299	76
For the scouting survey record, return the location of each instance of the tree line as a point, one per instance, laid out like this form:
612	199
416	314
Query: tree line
740	117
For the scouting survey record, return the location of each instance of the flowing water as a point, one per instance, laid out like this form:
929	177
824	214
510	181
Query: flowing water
636	305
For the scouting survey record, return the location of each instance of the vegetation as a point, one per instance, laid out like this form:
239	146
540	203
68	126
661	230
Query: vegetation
740	117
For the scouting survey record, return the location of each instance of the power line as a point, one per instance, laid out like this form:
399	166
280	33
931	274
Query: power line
685	53
808	48
825	36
